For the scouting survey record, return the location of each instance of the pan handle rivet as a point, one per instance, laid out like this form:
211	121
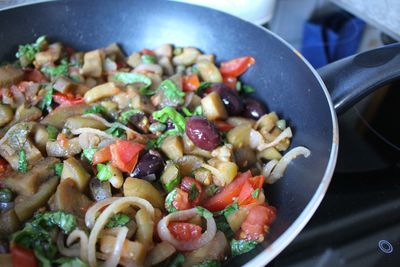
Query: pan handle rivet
385	246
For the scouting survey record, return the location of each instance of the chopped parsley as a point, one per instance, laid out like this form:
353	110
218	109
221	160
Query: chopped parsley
22	161
118	220
149	59
232	208
247	89
198	111
242	246
47	98
169	113
88	153
223	226
52	132
204	212
54	71
193	192
171	91
115	131
129	77
58	168
169	206
125	115
95	109
26	53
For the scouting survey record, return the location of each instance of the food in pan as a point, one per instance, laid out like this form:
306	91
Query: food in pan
159	158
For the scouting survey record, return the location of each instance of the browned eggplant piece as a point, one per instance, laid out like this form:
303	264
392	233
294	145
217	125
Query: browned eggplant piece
10	75
59	116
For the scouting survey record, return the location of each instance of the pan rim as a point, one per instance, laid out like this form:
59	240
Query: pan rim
276	247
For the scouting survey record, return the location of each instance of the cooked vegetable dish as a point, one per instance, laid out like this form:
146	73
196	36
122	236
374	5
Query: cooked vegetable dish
158	158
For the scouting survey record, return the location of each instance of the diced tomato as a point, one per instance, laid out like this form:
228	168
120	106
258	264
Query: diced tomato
230	82
190	83
33	75
146	51
223	126
246	194
125	154
62	139
3	166
237	66
228	193
181	200
257	221
22	257
67	100
184	231
187	185
257	181
102	155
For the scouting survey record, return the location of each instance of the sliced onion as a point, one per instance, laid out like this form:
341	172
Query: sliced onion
182	245
113	260
267	169
83	242
72	251
256	139
155	68
280	168
287	133
93	131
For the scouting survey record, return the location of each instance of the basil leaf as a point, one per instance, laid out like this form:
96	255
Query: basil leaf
204	212
129	77
88	153
118	220
198	111
149	59
26	53
208	263
171	91
58	168
47	98
169	113
177	261
104	173
61	69
242	246
52	132
230	209
247	89
224	227
95	109
169	206
124	116
115	131
22	161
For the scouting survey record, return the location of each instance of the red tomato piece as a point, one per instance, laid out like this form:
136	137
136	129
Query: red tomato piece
102	155
228	193
257	221
237	66
125	154
184	231
230	81
33	75
146	51
190	83
62	140
67	100
181	200
250	186
22	257
223	126
187	185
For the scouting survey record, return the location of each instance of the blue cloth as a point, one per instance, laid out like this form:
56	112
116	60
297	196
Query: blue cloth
331	38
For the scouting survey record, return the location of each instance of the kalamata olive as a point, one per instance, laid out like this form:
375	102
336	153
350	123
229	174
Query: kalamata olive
253	109
231	99
202	133
140	122
4	246
149	163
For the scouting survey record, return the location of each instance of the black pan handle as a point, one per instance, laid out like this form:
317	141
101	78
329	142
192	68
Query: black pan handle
350	79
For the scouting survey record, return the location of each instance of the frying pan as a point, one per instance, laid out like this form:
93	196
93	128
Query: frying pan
285	82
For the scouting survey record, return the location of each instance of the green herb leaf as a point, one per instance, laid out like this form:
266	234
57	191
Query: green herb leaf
28	51
198	111
54	71
193	192
255	193
169	206
242	246
52	132
22	161
169	113
129	77
124	116
171	91
103	172
223	226
247	89
204	212
230	209
211	190
115	131
208	263
95	109
58	168
177	261
202	87
47	98
238	86
88	153
149	59
70	262
118	220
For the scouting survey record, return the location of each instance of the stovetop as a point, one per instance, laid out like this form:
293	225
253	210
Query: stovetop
358	221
